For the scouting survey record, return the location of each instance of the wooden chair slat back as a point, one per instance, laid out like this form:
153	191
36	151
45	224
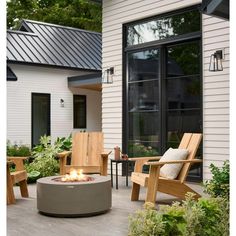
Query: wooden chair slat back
87	148
192	147
95	148
185	140
79	149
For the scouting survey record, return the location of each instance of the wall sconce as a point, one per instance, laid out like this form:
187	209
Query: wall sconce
216	61
62	102
107	77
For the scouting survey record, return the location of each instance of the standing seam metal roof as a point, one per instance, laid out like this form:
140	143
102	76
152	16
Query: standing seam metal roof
56	45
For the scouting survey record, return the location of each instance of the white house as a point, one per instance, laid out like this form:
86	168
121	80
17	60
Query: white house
159	53
162	86
53	81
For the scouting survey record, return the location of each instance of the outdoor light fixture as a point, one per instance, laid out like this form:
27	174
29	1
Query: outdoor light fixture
62	102
216	61
107	77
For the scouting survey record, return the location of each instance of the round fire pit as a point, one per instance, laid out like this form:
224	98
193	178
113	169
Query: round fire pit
71	199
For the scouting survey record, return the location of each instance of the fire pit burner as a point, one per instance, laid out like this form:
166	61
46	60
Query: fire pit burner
73	198
86	179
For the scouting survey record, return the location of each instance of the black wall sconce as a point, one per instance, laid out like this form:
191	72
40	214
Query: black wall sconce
107	77
216	61
62	102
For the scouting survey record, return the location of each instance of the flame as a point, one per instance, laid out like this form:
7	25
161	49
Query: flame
74	176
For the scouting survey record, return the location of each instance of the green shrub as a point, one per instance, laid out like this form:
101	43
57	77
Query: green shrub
147	222
205	217
18	150
44	155
218	186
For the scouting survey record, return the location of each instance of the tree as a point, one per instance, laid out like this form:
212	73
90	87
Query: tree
81	14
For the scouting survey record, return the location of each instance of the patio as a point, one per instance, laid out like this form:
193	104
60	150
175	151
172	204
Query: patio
115	222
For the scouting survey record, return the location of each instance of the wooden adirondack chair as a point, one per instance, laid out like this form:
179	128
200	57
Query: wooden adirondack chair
19	176
87	154
154	182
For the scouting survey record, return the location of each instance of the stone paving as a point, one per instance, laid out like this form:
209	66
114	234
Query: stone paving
23	218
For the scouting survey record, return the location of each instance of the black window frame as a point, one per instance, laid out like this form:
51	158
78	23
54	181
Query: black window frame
84	125
162	44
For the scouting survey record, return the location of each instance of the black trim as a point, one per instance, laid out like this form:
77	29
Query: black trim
11	76
217	8
48	95
166	14
52	66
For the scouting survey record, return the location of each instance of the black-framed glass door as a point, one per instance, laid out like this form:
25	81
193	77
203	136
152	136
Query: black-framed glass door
40	116
164	98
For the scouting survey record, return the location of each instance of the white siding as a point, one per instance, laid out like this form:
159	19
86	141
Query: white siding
215	85
215	36
32	79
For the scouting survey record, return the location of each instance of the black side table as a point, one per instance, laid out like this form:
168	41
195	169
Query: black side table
126	162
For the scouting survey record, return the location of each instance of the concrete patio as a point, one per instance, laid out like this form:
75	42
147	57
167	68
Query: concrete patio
24	219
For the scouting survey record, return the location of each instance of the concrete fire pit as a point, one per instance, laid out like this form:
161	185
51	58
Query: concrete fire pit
71	199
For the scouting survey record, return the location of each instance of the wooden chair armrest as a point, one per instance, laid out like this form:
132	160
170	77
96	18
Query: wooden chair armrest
16	158
18	161
106	153
161	163
140	161
144	158
64	154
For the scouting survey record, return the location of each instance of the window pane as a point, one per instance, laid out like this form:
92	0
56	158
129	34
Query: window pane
143	96
80	111
143	65
144	126
184	59
142	149
180	122
163	28
183	93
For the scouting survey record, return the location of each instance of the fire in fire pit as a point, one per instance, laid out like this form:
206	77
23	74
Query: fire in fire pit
74	177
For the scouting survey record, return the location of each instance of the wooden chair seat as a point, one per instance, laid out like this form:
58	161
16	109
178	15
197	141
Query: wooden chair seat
18	176
154	182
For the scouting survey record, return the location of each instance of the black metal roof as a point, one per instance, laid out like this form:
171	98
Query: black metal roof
54	45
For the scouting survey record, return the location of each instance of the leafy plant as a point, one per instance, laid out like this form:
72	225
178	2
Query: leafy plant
205	217
64	143
18	150
44	155
218	186
33	176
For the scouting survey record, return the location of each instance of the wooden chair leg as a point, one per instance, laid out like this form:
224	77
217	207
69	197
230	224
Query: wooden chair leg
24	188
62	163
152	184
104	166
135	192
10	193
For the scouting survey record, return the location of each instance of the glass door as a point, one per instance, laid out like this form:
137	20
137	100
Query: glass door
143	112
40	116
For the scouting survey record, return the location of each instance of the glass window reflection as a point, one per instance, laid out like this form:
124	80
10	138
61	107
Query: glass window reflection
163	28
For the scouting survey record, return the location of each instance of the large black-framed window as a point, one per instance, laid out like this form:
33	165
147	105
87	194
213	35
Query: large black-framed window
162	86
79	110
